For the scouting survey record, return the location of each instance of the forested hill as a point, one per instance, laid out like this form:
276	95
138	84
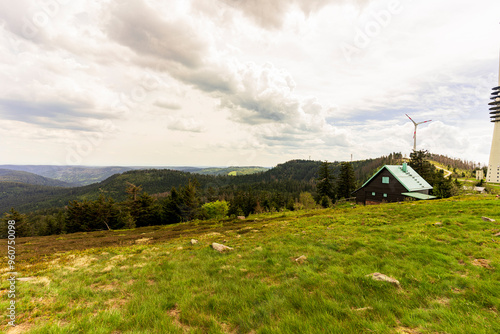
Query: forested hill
75	175
7	175
289	179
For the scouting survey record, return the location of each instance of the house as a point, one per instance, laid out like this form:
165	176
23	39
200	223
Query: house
393	183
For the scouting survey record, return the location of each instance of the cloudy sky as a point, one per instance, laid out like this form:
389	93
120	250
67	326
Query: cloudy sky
244	82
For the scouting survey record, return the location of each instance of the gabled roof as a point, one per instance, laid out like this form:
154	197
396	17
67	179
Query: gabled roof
409	179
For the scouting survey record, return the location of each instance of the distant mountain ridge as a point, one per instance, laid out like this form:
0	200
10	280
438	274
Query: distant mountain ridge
75	175
290	178
85	175
294	176
8	175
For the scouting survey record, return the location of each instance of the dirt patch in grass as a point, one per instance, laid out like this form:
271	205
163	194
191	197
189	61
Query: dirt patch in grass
407	330
443	301
78	262
175	314
104	287
143	241
40	280
482	263
21	328
116	303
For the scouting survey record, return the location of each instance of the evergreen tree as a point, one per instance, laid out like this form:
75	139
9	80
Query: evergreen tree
53	224
144	210
171	213
419	162
22	227
106	213
190	202
78	217
325	187
96	215
133	190
346	183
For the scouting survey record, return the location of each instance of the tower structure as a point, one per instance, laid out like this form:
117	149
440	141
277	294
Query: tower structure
415	132
493	174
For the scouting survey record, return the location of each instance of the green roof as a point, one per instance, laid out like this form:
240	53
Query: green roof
419	195
409	179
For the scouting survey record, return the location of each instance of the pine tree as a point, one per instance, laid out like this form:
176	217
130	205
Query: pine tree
190	202
171	208
145	211
325	187
133	190
22	227
346	183
419	162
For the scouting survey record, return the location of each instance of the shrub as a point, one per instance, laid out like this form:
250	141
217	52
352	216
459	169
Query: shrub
217	209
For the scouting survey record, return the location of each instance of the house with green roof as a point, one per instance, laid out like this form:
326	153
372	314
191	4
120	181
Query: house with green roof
393	183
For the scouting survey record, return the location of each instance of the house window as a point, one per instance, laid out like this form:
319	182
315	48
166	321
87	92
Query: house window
385	179
373	193
385	195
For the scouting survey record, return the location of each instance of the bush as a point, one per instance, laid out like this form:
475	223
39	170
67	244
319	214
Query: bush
217	209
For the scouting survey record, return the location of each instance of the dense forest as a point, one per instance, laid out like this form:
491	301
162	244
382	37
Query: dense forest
155	196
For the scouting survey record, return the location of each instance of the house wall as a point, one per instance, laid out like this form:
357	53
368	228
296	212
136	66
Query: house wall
393	190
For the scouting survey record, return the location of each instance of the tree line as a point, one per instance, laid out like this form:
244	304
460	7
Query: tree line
294	185
181	204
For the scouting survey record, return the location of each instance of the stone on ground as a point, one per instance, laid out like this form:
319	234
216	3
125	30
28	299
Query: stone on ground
384	278
301	259
220	247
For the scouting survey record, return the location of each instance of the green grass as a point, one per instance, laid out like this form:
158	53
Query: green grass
448	273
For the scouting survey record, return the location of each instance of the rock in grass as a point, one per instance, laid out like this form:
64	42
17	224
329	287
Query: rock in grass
438	224
486	219
241	217
497	235
220	247
301	259
194	241
385	278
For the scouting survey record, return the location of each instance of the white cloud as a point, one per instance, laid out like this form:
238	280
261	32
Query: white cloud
255	82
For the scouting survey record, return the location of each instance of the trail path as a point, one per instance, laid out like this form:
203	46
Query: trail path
446	172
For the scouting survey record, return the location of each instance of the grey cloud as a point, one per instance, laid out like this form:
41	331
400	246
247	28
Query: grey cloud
50	114
254	94
271	14
212	79
140	27
167	104
185	124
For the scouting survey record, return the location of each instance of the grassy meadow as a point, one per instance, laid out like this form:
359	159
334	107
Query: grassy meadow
153	280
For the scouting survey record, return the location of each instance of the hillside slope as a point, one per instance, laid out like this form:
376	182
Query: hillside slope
295	272
291	177
8	175
76	175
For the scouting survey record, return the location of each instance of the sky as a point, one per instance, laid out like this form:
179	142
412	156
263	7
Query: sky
244	83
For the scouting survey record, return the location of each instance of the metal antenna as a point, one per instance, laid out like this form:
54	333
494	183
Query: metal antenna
415	132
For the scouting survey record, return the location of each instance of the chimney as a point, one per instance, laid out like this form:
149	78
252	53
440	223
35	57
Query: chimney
404	167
